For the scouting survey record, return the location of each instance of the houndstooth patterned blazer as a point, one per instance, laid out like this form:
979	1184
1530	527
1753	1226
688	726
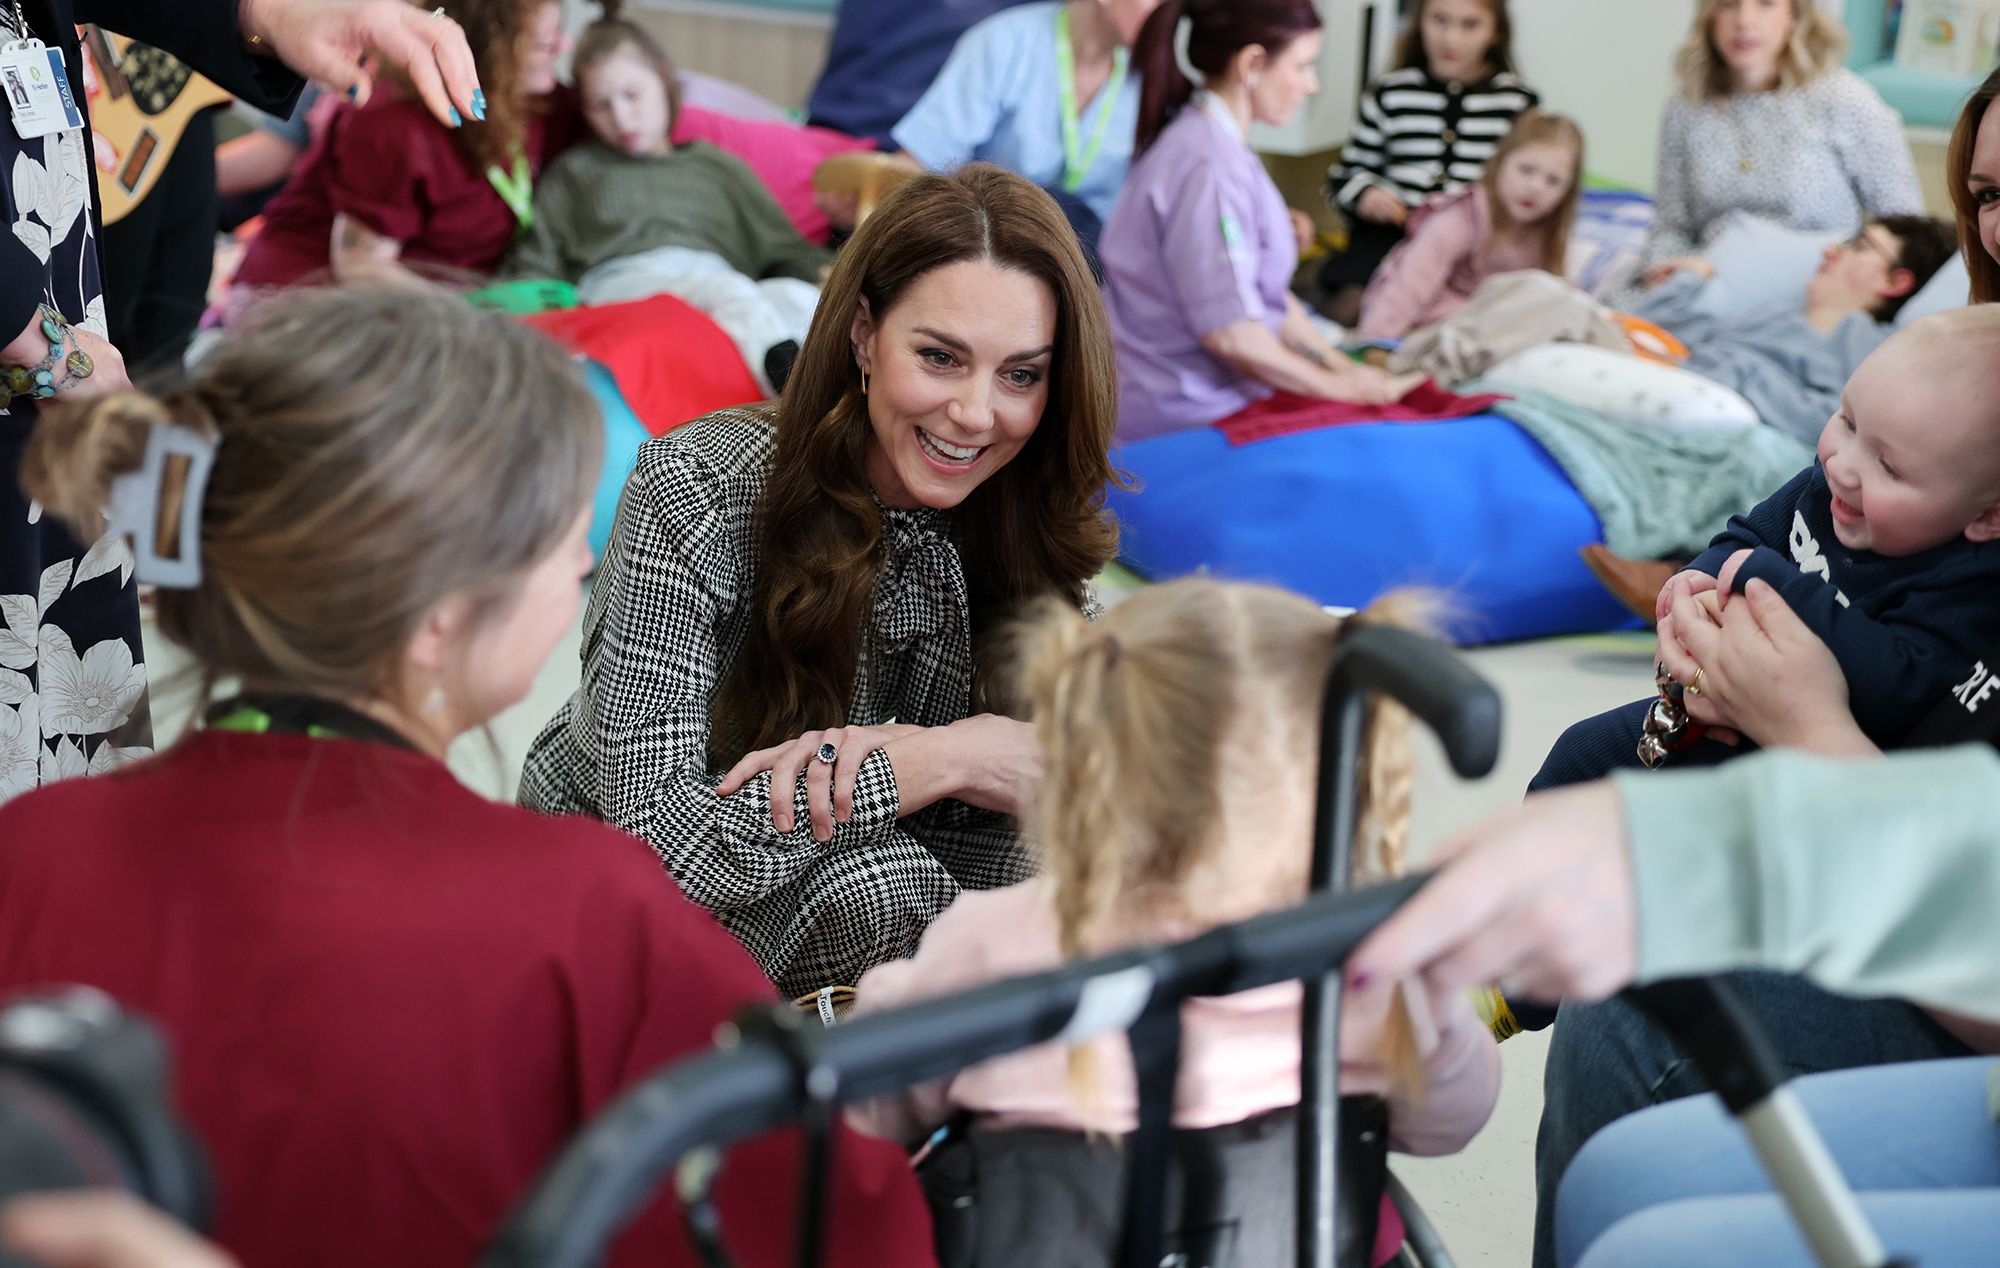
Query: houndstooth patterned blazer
668	612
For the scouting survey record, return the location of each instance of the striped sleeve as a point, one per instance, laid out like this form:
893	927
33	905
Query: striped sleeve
1417	136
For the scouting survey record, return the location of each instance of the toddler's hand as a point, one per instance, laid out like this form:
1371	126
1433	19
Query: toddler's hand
1381	206
1725	581
1687	263
1695	582
1303	229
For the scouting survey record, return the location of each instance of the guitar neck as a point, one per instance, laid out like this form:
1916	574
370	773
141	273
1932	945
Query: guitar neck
109	73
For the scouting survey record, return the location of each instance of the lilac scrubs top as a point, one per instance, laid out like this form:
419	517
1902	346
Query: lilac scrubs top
1200	239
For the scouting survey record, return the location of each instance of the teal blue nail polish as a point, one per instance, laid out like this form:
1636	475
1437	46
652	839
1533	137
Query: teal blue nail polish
354	92
456	120
479	104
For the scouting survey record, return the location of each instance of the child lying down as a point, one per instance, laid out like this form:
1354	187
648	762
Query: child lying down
631	215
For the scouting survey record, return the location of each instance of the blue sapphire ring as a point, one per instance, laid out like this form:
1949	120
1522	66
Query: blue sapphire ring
826	753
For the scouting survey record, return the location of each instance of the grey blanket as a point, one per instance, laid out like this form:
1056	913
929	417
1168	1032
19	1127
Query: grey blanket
1657	494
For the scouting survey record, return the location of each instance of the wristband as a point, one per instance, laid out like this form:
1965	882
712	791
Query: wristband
56	371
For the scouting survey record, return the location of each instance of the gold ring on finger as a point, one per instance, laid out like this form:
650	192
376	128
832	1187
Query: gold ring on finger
1694	683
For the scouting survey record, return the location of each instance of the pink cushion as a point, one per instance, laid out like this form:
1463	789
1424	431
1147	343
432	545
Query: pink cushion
782	154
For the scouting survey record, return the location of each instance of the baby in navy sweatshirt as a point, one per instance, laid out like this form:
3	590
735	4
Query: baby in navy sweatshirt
1888	546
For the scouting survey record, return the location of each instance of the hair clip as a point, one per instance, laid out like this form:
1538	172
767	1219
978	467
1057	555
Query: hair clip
1112	651
135	506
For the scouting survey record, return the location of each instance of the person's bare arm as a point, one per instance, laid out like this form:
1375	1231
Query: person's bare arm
360	254
257	160
1250	348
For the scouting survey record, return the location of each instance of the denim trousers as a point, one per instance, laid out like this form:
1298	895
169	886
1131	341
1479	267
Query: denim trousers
1608	1060
1678	1184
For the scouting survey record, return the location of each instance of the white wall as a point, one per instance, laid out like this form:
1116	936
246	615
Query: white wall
1609	65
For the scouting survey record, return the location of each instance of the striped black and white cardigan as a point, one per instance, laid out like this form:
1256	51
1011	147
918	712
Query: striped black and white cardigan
1418	136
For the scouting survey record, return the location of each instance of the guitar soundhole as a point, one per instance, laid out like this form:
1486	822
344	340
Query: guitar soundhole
156	78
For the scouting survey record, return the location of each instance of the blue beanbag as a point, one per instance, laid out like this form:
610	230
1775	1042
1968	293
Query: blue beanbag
1472	506
623	434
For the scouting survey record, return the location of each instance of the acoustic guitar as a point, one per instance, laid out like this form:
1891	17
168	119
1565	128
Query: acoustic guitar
140	102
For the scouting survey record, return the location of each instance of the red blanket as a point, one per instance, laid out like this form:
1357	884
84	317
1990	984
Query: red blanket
1283	413
671	361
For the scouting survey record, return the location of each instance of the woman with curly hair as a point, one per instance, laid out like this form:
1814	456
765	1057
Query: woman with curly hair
1768	122
389	192
787	656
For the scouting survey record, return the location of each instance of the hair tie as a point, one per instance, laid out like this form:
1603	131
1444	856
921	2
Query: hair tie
136	498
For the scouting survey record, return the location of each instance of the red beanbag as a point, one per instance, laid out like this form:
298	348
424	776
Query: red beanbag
671	361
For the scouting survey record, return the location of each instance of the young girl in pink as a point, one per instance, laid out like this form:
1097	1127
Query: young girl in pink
1179	735
1517	216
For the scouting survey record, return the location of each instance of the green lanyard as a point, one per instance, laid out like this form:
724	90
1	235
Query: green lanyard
1076	159
516	189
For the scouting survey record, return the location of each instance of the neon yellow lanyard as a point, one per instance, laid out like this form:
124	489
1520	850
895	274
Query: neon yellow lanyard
1077	160
516	189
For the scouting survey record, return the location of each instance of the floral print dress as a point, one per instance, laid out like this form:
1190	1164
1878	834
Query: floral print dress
72	677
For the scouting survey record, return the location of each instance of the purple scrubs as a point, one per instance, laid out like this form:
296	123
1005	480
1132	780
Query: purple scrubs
1200	239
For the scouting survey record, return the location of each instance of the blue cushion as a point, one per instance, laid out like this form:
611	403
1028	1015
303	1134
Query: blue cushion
1343	514
623	434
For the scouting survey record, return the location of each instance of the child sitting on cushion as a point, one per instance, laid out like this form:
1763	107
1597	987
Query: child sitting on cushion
1178	735
1888	546
631	214
1517	215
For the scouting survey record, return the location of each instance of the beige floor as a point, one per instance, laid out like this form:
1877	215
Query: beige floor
1482	1198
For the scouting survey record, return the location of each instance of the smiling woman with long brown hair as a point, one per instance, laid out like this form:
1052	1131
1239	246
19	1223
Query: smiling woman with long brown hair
787	649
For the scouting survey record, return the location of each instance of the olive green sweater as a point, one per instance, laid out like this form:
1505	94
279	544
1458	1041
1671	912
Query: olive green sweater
596	203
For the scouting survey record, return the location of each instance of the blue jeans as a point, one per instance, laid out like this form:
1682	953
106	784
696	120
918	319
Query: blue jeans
1680	1185
1609	1060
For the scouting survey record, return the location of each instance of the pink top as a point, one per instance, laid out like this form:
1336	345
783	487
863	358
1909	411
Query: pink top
782	154
1239	1055
1435	269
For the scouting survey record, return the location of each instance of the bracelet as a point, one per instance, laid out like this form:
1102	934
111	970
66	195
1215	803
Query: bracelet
41	379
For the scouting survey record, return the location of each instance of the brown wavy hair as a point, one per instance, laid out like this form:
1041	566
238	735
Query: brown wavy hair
1036	527
1957	170
498	31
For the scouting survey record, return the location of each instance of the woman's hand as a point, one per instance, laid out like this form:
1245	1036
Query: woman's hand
107	372
1695	583
829	785
1367	385
1667	268
1303	229
1381	206
996	762
1539	897
1763	670
101	1230
343	43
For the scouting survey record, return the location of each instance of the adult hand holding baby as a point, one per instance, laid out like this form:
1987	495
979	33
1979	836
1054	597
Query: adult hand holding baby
1763	671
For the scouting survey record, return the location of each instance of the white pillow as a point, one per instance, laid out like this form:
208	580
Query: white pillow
1624	387
1759	264
1949	287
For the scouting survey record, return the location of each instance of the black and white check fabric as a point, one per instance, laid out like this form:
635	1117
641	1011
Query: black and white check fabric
668	611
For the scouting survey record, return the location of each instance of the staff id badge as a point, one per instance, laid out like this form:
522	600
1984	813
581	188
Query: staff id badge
37	88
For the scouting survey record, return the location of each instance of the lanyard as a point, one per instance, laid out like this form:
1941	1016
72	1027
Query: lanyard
1077	159
322	719
1220	112
516	189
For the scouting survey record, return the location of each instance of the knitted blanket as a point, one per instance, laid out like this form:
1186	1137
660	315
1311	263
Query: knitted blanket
1657	494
